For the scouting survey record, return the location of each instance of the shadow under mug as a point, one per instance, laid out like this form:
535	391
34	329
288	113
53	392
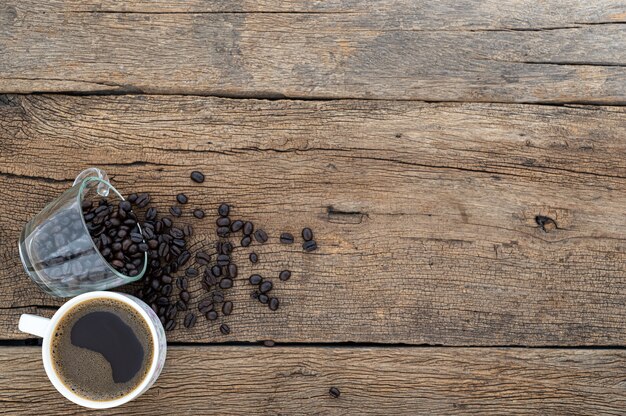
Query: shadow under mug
44	328
56	247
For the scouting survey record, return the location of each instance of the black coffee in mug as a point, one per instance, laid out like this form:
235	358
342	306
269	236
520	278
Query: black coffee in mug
102	349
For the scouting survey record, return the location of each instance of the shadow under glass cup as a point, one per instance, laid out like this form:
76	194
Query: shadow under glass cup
57	249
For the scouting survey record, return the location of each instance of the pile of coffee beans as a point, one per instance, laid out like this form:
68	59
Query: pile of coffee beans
166	283
115	233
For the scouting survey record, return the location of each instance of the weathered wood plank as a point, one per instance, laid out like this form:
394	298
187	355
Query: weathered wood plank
425	213
561	51
403	381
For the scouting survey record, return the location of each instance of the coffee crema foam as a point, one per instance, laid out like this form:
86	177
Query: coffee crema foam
114	352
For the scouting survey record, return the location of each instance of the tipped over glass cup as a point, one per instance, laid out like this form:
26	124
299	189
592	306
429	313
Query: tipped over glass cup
57	249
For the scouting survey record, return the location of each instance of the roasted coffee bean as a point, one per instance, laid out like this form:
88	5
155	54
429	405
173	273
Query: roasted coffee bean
203	258
223	210
232	270
255	279
190	320
260	236
205	305
175	250
171	312
182	283
218	296
197	176
223	260
185	296
334	392
181	198
131	198
117	263
167	222
151	214
158	226
224	329
274	303
191	272
122	233
175	211
125	205
248	228
226	248
266	286
223	231
307	234
177	232
263	298
284	275
216	270
181	306
163	249
198	213
188	230
286	238
155	284
223	222
205	286
179	242
143	199
236	226
253	257
166	279
170	325
245	242
269	343
211	315
162	319
183	258
143	247
136	237
227	308
226	283
162	301
309	246
166	290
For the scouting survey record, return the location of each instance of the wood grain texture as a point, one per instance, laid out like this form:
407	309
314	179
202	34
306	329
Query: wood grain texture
425	213
402	381
558	51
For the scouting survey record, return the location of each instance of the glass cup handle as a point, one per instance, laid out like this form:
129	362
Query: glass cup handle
34	324
103	190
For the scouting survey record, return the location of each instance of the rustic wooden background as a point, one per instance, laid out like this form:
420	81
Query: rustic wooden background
419	139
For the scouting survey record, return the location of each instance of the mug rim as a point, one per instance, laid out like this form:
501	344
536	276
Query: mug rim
55	379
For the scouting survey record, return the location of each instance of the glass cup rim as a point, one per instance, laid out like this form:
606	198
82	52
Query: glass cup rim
79	198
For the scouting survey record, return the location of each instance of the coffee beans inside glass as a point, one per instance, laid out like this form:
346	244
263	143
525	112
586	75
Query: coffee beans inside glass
87	239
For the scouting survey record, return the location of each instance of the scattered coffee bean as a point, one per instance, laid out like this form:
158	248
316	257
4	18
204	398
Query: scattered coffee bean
232	270
211	315
182	283
185	296
286	238
274	302
266	286
175	211
131	198
218	297
203	258
307	234
309	246
205	305
167	222
263	298
269	343
223	231
236	226
197	176
226	248
334	392
245	242
226	283
260	236
136	237
198	213
223	222
191	272
223	210
227	308
216	270
255	279
284	275
223	260
224	329
181	198
188	230
253	257
190	320
170	325
248	228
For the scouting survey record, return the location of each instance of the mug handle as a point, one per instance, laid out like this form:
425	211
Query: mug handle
34	324
103	190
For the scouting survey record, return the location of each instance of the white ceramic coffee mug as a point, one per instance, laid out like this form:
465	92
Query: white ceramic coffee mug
44	327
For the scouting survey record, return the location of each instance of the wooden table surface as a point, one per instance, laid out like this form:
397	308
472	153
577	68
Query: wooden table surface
463	165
